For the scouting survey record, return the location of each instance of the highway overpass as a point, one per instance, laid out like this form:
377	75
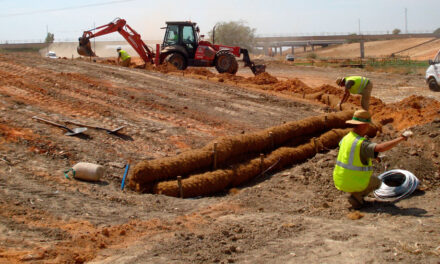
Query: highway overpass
274	44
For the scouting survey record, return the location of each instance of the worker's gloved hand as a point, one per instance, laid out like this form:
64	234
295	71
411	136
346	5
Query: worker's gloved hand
407	134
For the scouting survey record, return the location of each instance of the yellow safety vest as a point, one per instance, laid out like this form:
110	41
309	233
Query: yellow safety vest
350	174
359	84
124	55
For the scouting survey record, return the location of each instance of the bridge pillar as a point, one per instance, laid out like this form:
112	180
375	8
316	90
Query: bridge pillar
313	47
293	50
362	48
305	48
281	50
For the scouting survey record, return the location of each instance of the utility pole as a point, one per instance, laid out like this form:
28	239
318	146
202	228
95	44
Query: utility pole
406	21
361	42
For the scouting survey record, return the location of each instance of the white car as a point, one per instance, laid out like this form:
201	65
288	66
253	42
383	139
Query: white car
290	57
433	73
51	55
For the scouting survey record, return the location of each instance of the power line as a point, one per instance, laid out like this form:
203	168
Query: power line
64	8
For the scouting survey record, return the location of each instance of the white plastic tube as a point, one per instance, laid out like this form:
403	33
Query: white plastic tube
88	171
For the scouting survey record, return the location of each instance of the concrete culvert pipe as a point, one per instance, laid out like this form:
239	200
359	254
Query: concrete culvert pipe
396	185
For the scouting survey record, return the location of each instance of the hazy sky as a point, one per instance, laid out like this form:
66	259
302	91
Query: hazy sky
28	19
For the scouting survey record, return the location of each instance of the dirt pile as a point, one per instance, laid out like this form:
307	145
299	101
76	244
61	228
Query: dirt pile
135	62
263	78
199	71
411	111
231	77
292	85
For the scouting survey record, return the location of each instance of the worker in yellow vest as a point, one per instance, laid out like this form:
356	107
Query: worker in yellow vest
123	58
356	85
353	172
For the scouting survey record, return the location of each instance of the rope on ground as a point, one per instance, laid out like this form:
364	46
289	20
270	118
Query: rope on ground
396	185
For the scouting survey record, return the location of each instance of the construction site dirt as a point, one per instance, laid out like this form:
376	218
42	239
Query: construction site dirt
288	216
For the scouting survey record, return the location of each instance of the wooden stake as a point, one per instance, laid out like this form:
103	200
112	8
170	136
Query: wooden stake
179	183
215	156
272	144
315	142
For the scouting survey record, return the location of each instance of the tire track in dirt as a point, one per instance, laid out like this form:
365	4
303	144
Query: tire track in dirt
87	97
33	94
197	90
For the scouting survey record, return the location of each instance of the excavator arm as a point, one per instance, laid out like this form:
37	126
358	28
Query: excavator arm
119	25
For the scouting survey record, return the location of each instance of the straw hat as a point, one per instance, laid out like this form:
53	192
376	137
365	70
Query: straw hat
360	117
339	80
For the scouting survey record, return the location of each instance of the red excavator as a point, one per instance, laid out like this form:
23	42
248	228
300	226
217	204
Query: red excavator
181	47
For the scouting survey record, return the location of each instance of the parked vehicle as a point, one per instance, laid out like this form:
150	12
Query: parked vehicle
51	55
290	57
433	73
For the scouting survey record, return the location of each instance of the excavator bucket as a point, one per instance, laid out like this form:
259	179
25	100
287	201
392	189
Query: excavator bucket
85	48
257	69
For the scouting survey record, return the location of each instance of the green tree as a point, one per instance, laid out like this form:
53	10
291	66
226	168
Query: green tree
396	31
50	37
437	31
234	33
353	40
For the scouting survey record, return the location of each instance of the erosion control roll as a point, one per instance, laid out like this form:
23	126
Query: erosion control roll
231	161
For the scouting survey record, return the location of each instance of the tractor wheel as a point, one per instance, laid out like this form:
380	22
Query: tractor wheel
226	62
433	85
177	60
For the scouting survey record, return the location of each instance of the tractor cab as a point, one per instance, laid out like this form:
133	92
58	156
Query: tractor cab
182	34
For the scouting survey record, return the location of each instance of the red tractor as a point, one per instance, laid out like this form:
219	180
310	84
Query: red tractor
181	47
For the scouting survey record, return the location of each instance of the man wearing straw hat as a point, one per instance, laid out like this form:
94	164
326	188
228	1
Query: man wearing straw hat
356	85
353	172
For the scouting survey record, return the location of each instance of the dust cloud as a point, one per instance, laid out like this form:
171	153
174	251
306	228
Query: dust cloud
101	48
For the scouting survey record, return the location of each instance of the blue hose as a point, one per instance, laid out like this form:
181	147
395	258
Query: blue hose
125	175
407	183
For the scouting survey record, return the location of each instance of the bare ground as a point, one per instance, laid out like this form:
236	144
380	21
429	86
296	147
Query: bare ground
292	216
